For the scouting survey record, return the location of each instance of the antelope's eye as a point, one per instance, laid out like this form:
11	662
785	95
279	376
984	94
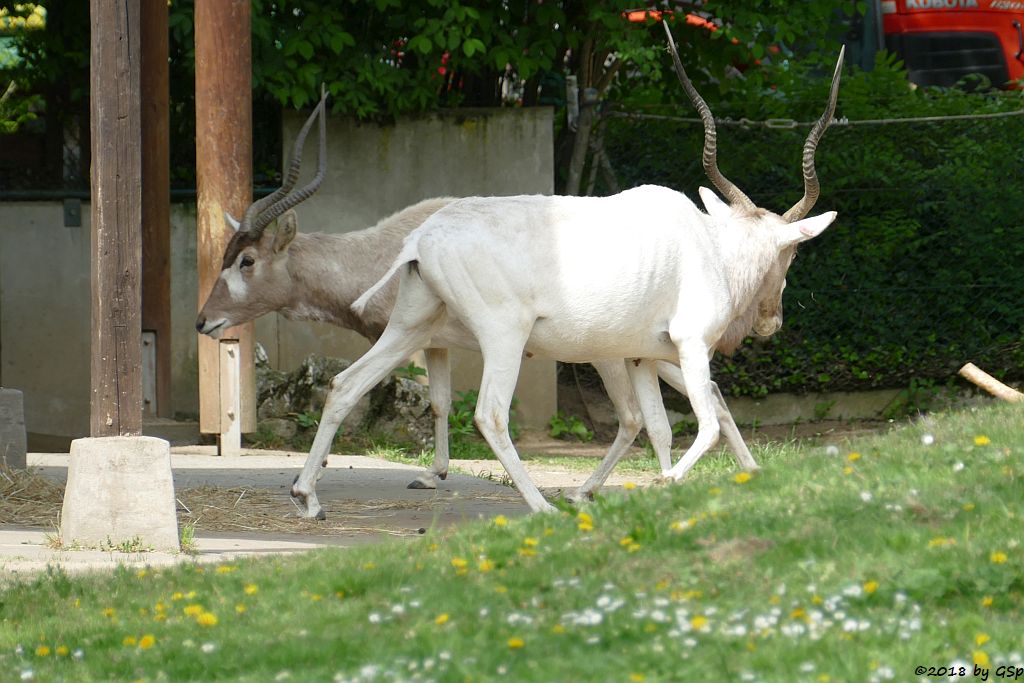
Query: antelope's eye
246	261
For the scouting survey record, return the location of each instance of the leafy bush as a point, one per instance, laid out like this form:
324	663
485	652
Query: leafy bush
919	274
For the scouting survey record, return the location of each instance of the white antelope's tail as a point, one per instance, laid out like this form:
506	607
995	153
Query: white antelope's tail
410	252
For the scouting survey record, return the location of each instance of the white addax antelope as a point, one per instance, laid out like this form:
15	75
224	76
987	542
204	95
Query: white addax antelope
643	275
317	277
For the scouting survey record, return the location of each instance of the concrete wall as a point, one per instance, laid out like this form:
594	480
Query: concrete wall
372	171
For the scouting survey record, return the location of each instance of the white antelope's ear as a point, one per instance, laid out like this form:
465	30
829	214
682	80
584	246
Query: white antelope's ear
803	230
230	220
287	225
715	207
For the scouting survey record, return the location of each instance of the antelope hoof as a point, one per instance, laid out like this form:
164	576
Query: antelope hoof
309	506
442	475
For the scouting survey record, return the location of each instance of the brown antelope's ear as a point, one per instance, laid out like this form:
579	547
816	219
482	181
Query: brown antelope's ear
287	224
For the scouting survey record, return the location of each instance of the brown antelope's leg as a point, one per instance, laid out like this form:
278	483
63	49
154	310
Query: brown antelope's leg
440	385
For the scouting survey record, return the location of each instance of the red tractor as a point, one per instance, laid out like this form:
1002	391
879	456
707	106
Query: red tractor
941	41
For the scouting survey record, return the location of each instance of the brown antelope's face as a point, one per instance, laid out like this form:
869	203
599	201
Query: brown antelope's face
253	280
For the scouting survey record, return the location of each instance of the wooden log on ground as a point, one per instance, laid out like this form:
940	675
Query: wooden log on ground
979	377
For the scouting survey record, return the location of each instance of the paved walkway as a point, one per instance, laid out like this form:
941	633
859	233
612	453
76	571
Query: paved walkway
371	492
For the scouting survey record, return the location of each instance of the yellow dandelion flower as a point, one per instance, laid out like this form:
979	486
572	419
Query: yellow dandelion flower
129	641
698	622
516	643
585	526
625	540
316	597
633	547
998	557
987	601
368	566
637	678
441	619
982	440
558	628
191	594
662	585
459	562
501	520
193	610
62	650
629	485
500	589
650	628
967	507
339	594
226	568
798	613
527	552
824	678
43	651
981	639
853	457
147	641
817	599
251	589
207	619
683	524
142	573
775	600
941	542
870	587
160	617
847	470
548	531
530	542
109	612
485	565
177	595
240	608
981	659
751	646
742	477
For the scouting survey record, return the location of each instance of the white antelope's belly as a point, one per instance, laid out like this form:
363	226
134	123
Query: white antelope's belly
599	342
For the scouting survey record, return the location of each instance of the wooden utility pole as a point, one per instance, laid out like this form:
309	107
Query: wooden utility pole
116	405
224	182
156	198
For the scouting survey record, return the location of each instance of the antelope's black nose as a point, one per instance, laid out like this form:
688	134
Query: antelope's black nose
200	324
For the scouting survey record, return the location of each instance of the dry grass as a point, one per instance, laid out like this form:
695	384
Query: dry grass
28	499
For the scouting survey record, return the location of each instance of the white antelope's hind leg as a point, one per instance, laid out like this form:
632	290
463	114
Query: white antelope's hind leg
732	433
693	361
643	375
673	376
440	384
616	382
502	352
416	316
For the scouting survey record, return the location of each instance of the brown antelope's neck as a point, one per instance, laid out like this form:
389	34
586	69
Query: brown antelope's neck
329	272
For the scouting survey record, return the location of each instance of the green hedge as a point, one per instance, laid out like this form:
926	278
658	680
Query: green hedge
923	269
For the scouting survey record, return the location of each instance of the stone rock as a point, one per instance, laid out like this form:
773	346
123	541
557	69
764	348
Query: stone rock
396	409
279	427
400	411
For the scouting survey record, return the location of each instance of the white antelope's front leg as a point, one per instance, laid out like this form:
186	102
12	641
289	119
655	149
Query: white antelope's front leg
439	377
415	318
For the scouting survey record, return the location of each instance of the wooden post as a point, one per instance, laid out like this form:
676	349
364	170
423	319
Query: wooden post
224	182
116	405
156	197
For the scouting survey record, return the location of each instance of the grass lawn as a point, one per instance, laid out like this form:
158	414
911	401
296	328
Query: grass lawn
887	560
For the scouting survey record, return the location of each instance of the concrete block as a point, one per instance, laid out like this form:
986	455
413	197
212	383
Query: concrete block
120	490
13	442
